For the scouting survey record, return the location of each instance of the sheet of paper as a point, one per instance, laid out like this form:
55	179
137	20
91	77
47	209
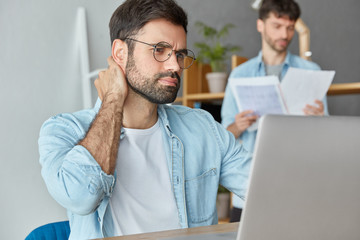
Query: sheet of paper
260	94
300	87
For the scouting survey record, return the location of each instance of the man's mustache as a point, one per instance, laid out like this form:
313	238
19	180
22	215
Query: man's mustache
168	74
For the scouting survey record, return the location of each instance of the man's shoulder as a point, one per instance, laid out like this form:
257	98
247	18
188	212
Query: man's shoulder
75	123
298	62
82	116
247	68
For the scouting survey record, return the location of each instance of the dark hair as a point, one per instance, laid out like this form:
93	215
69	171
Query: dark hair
280	8
132	15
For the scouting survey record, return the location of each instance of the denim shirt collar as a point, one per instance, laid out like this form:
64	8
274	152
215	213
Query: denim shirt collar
261	64
163	117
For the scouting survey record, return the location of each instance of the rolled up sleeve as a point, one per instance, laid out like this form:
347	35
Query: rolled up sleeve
73	177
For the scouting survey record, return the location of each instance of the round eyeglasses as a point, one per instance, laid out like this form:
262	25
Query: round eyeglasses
162	51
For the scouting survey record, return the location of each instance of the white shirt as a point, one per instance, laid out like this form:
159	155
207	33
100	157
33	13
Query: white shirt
143	200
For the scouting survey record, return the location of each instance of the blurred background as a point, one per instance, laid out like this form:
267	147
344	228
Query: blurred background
40	77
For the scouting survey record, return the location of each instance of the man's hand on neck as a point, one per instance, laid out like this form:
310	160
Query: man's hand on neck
102	139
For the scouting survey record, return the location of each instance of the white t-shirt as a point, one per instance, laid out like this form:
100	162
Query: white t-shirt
143	200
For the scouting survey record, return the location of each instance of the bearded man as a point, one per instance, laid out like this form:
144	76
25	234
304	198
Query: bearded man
134	164
276	24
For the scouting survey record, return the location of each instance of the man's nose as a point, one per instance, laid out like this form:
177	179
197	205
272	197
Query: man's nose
172	63
284	33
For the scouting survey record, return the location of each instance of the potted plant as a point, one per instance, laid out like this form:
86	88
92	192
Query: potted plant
214	52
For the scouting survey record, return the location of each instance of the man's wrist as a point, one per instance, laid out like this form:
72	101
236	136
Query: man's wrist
117	99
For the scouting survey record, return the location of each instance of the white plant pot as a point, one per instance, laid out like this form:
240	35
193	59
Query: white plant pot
216	81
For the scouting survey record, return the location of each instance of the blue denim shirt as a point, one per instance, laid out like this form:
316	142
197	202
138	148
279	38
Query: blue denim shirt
255	67
200	154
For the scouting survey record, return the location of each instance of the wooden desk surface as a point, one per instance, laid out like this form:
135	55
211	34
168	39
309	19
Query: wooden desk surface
220	228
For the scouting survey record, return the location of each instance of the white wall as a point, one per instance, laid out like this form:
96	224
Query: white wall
40	77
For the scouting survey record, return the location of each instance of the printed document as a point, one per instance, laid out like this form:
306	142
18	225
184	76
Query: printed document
260	94
266	95
301	87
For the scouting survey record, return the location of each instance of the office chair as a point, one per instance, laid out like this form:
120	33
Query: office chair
51	231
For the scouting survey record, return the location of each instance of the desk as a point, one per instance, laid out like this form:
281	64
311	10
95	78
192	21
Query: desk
220	228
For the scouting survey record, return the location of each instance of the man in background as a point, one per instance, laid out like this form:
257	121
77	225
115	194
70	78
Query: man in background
276	24
133	164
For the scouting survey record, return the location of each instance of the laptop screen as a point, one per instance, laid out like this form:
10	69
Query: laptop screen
305	180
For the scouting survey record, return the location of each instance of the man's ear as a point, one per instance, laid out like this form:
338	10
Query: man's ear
119	53
260	25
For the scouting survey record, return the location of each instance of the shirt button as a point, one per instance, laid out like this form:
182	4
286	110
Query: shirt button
99	219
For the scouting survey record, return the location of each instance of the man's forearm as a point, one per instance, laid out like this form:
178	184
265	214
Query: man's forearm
102	139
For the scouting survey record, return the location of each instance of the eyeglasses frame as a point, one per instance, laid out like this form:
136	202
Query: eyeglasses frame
172	50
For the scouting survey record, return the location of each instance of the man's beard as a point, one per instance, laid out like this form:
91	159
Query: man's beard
149	87
272	43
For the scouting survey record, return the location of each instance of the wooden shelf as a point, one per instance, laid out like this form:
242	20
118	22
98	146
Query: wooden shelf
334	89
199	97
205	96
344	88
195	88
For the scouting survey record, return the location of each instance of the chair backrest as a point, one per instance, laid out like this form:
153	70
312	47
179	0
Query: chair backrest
51	231
237	60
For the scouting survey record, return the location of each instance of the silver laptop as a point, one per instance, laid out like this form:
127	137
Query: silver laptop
305	180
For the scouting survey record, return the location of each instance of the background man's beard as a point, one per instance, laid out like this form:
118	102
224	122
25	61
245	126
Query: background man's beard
272	44
149	88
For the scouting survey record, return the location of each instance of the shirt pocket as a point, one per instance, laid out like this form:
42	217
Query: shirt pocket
201	194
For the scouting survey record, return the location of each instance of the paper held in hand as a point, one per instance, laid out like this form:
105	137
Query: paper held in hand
266	95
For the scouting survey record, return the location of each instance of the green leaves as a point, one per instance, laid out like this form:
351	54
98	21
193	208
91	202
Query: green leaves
212	50
225	30
222	189
206	31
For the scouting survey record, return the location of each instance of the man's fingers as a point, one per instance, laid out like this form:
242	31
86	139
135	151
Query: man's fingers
247	123
110	61
312	110
318	102
101	74
252	118
246	112
244	122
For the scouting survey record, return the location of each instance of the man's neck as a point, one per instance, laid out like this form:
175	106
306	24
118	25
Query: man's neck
271	57
138	112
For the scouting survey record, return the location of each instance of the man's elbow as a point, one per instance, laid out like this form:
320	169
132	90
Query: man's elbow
80	204
84	209
79	197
